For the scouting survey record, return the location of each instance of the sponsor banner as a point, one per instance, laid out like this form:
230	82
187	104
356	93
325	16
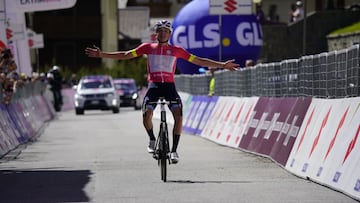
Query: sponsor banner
38	109
204	102
3	39
237	127
254	122
32	118
186	100
68	99
5	143
15	31
206	115
317	113
226	120
24	115
289	130
273	127
205	35
330	125
327	147
4	148
2	25
35	40
212	125
190	117
21	120
188	107
269	130
339	164
10	133
42	106
21	124
352	180
30	5
48	98
225	7
15	135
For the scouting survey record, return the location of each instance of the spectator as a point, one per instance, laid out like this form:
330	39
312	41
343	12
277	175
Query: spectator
55	81
2	78
42	77
8	89
212	82
21	81
35	76
7	63
299	11
273	16
292	18
249	63
72	80
8	74
260	15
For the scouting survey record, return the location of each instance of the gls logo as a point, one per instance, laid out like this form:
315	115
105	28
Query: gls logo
246	34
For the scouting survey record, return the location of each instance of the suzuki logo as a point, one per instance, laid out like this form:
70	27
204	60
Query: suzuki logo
230	5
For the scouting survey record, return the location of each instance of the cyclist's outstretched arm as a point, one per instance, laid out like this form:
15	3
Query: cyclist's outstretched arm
97	53
230	65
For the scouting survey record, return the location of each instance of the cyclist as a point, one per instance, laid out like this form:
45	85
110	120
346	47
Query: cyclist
161	65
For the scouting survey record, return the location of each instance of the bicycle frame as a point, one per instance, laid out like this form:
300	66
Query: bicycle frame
162	147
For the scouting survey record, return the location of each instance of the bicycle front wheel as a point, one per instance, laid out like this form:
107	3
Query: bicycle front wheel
163	160
163	168
163	154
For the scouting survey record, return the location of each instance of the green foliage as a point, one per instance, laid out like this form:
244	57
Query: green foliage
349	29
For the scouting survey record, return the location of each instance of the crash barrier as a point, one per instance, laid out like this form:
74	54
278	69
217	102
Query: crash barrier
23	118
313	138
68	99
333	74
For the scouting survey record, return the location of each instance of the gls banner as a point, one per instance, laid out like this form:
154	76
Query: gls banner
198	32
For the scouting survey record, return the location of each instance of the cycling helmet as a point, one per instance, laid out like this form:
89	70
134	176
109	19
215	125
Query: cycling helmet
56	68
163	24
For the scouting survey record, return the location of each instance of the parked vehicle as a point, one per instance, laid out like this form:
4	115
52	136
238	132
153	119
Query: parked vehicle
128	92
96	92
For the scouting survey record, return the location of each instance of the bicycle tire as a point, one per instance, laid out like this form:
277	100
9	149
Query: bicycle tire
163	153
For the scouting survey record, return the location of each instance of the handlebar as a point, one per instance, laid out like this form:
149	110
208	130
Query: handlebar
162	101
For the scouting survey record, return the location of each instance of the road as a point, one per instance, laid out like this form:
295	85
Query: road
101	157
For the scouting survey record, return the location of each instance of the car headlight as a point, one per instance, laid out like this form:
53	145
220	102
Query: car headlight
78	96
135	96
111	94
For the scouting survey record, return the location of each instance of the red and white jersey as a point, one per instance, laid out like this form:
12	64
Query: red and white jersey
161	62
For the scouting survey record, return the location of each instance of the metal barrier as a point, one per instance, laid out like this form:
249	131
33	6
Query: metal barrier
29	89
326	75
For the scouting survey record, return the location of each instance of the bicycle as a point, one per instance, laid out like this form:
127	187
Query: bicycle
162	148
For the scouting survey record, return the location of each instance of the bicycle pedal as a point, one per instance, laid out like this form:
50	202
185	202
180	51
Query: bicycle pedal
155	156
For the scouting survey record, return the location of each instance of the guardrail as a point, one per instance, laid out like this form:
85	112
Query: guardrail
327	75
24	117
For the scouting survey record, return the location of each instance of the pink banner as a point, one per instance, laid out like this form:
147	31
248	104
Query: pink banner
274	126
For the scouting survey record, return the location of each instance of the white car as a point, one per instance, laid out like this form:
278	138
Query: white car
96	92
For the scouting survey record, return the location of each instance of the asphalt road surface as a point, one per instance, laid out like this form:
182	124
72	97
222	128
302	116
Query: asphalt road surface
101	157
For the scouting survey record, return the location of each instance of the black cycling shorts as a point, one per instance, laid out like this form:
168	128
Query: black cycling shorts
157	90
